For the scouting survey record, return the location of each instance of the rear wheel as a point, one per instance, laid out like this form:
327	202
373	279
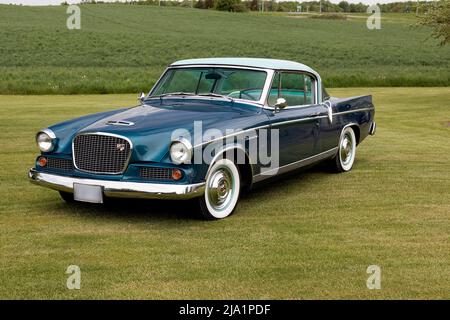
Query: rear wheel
345	156
67	196
221	191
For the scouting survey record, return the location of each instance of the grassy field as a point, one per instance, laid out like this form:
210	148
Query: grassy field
311	235
124	48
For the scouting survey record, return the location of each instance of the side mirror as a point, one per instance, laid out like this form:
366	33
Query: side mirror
141	97
280	104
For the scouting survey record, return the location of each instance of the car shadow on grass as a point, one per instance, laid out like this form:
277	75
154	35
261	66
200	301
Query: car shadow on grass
184	210
134	209
290	182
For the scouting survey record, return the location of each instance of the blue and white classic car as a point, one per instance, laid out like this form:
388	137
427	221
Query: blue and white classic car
209	129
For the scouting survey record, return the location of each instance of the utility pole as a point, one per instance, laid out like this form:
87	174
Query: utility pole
320	10
262	6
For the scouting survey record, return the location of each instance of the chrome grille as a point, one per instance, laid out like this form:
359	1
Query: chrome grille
59	164
98	153
155	173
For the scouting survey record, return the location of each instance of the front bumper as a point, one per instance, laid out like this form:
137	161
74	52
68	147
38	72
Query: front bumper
120	189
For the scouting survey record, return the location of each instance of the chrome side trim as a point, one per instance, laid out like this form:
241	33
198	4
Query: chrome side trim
120	189
103	134
311	105
273	124
231	135
295	165
351	111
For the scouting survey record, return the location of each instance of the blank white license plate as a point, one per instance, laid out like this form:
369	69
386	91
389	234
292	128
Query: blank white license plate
87	193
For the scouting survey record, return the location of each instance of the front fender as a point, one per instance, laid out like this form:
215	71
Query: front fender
65	131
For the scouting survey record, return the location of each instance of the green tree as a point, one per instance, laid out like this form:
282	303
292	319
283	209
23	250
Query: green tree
438	18
254	6
344	6
209	4
200	4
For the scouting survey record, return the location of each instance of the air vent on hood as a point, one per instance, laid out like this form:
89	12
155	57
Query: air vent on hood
119	123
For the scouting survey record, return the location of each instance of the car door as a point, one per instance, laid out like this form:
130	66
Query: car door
298	122
329	127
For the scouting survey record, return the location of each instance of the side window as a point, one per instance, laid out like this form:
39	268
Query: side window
243	84
296	88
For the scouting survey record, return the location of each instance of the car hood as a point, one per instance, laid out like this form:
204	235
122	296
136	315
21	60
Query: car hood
159	117
150	126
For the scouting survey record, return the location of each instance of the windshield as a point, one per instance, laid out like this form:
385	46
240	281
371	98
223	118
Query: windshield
229	82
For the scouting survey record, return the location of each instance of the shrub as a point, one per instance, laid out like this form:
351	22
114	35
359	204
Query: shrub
200	4
226	5
329	16
240	7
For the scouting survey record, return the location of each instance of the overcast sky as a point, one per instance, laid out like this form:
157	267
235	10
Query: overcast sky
57	2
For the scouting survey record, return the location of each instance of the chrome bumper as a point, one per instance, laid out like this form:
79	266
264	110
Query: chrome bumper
120	189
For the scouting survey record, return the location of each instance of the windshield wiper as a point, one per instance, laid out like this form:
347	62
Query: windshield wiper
174	94
211	94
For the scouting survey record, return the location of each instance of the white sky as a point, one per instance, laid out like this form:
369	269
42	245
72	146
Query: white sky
57	2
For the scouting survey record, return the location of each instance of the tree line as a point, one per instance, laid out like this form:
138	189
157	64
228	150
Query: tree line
288	6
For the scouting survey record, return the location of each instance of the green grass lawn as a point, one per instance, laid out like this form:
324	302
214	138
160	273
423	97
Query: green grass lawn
310	235
124	48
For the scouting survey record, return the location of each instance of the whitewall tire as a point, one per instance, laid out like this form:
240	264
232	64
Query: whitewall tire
222	190
346	154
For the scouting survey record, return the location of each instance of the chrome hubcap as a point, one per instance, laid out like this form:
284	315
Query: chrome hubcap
220	189
346	149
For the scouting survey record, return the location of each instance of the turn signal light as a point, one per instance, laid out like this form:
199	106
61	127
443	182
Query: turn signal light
42	161
177	174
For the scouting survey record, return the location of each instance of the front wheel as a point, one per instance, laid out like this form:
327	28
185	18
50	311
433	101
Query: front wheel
345	156
221	190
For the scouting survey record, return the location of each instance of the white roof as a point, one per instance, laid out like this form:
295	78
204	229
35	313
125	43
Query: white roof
248	62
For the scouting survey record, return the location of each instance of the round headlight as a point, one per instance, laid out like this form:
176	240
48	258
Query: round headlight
181	152
45	141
